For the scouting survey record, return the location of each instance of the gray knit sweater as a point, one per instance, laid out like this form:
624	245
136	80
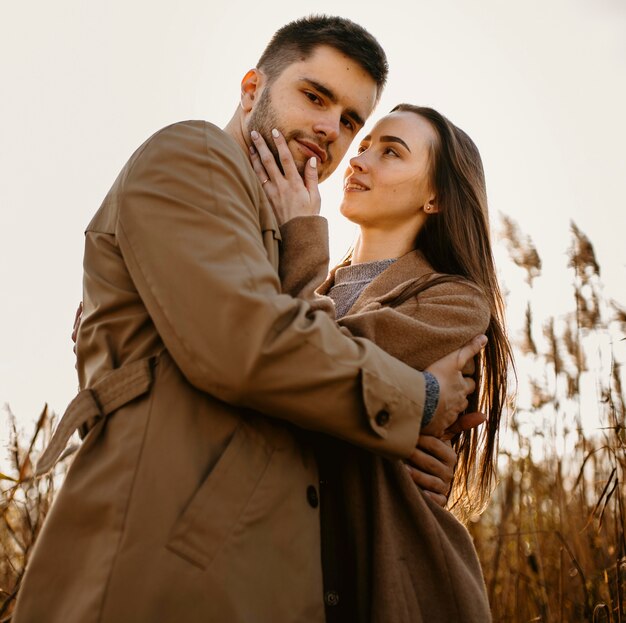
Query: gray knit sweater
351	280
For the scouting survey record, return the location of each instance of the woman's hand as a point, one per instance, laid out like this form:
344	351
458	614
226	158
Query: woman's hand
289	195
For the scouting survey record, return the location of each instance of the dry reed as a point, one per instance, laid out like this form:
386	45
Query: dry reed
552	542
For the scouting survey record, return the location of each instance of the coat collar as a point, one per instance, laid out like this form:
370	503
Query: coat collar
387	286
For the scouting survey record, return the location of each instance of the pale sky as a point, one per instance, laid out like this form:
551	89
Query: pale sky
539	85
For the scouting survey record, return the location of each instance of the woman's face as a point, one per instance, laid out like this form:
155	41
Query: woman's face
388	182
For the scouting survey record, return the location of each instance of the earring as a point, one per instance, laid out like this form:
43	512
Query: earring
426	208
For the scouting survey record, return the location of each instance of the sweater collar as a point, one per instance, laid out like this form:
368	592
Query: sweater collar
409	267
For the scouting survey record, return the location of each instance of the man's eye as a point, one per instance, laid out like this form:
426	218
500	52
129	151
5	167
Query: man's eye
347	123
314	98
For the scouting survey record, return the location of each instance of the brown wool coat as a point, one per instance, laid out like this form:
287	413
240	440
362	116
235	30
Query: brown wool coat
414	561
185	502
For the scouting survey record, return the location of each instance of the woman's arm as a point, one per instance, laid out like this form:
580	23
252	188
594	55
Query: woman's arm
304	260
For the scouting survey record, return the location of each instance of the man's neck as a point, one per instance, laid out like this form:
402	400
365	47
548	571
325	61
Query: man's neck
234	128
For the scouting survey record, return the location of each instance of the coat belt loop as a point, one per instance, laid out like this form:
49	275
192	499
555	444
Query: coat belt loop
83	407
110	393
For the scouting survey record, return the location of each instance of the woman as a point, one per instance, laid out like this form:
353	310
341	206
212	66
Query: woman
419	282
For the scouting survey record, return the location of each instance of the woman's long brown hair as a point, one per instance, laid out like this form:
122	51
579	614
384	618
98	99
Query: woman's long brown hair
456	242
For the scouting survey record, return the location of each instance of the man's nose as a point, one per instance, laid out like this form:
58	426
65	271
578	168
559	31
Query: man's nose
327	125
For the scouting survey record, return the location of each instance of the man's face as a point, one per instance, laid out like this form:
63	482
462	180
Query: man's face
318	104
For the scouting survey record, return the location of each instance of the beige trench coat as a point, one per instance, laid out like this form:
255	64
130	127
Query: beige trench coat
186	502
414	562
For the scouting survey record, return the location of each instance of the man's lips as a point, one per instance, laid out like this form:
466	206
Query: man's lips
316	150
353	183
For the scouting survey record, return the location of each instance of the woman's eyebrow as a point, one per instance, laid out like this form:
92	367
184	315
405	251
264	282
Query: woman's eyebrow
393	139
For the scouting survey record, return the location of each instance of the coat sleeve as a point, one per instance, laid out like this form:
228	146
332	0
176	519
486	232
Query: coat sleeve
304	259
419	332
427	327
190	234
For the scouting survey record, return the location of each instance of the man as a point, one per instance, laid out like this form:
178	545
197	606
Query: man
193	497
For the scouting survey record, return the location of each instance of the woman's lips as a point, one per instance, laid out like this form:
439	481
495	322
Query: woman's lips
354	185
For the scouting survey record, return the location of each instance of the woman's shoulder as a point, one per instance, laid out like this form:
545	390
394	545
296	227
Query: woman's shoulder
411	284
417	314
414	277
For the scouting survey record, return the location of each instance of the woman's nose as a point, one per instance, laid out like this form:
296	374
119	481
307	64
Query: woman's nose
358	163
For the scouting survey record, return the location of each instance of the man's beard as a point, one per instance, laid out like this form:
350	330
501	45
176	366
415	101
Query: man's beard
264	119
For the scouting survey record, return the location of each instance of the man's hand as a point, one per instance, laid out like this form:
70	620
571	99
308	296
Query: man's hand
453	386
431	465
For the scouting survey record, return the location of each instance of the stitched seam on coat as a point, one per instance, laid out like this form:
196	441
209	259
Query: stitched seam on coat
127	506
150	284
219	210
251	282
204	374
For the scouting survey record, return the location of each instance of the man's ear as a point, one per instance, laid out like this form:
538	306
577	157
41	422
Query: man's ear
251	85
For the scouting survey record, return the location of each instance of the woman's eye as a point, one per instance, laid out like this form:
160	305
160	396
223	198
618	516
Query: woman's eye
361	149
389	151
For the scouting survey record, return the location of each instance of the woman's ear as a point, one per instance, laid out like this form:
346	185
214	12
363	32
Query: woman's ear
431	206
251	85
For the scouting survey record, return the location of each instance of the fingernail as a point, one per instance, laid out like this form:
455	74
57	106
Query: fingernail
275	133
482	340
254	134
313	162
252	149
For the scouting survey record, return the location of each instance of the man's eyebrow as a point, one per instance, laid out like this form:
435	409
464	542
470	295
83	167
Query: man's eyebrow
356	117
392	139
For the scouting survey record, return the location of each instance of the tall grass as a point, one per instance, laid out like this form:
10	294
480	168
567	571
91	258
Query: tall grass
552	542
24	503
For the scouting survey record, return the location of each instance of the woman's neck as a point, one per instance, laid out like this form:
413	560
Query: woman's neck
375	244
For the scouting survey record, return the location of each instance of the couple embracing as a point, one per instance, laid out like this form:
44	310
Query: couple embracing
264	441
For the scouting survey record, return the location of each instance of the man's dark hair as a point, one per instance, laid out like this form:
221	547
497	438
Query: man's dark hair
297	40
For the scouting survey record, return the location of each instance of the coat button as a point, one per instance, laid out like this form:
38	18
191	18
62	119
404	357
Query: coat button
311	496
331	598
382	417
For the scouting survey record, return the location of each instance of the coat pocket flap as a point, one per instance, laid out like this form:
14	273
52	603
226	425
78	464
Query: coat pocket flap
217	505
